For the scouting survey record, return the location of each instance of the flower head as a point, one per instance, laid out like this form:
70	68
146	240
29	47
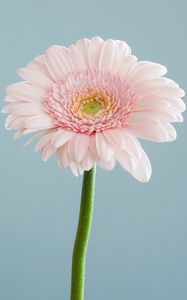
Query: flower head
90	102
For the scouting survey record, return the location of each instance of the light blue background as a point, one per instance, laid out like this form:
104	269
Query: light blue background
138	245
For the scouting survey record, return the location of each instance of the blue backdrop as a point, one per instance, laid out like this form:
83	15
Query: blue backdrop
138	244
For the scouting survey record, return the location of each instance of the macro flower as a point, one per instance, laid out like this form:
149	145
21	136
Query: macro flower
91	102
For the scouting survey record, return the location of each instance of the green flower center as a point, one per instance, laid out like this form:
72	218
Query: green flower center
91	107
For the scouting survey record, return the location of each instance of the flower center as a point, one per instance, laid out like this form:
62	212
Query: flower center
91	106
90	101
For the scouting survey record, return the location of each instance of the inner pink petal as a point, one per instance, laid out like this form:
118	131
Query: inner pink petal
90	101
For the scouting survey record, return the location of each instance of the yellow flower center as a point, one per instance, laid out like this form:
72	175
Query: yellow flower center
91	107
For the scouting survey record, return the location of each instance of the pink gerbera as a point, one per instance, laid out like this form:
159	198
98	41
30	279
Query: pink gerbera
90	102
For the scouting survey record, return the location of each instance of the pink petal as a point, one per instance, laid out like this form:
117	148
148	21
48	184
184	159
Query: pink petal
44	141
8	120
146	70
151	103
61	137
35	137
83	46
122	48
18	134
107	165
7	108
125	66
40	121
78	147
154	116
177	105
80	169
35	78
47	152
164	92
116	137
31	130
74	169
57	62
143	171
151	84
15	122
23	109
77	58
128	162
104	148
63	156
162	132
24	92
38	65
108	56
95	48
88	162
140	167
120	139
92	147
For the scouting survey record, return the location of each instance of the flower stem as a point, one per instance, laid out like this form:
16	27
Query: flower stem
82	236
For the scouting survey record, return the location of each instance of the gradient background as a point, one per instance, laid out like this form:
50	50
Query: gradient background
138	245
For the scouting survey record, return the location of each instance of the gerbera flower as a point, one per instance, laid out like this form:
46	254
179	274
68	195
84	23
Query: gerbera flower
90	102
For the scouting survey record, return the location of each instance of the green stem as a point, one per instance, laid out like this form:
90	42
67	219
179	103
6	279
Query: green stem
82	236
